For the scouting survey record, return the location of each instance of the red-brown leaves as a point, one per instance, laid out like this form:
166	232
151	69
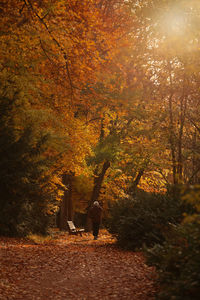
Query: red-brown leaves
71	267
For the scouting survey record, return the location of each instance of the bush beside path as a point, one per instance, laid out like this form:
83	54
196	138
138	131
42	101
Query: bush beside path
72	267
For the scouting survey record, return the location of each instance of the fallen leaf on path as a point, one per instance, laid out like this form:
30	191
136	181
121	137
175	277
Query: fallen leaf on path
73	267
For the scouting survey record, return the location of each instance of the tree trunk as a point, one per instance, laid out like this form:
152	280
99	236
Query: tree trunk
66	209
136	181
172	137
98	180
183	108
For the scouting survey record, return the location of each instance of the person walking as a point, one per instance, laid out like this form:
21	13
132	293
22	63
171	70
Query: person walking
95	214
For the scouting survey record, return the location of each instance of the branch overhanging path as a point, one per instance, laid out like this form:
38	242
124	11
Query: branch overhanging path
65	57
72	267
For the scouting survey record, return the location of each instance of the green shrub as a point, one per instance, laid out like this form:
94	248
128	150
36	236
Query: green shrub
178	263
142	220
28	158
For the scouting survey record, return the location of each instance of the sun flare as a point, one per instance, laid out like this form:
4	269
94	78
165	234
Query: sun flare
174	23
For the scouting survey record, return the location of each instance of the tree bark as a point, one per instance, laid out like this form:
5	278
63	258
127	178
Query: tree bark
171	129
183	108
136	181
66	209
98	180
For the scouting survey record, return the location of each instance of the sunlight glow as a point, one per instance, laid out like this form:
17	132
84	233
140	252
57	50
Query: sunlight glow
174	23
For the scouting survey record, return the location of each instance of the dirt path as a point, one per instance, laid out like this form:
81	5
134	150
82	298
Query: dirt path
71	267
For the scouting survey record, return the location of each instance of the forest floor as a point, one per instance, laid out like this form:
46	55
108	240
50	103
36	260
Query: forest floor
73	267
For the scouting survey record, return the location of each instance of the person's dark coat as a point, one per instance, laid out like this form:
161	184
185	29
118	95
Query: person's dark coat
95	213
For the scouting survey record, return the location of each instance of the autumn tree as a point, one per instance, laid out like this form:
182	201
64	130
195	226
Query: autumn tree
167	55
56	49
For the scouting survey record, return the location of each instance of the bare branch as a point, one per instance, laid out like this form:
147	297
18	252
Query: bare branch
193	123
194	174
45	52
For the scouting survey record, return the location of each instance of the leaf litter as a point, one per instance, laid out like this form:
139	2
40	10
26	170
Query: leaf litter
73	267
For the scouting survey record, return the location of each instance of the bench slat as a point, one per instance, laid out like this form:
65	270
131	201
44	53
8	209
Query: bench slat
73	230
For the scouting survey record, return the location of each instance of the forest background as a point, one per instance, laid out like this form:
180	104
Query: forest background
99	100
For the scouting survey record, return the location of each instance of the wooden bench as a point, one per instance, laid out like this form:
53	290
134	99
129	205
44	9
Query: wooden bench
72	229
